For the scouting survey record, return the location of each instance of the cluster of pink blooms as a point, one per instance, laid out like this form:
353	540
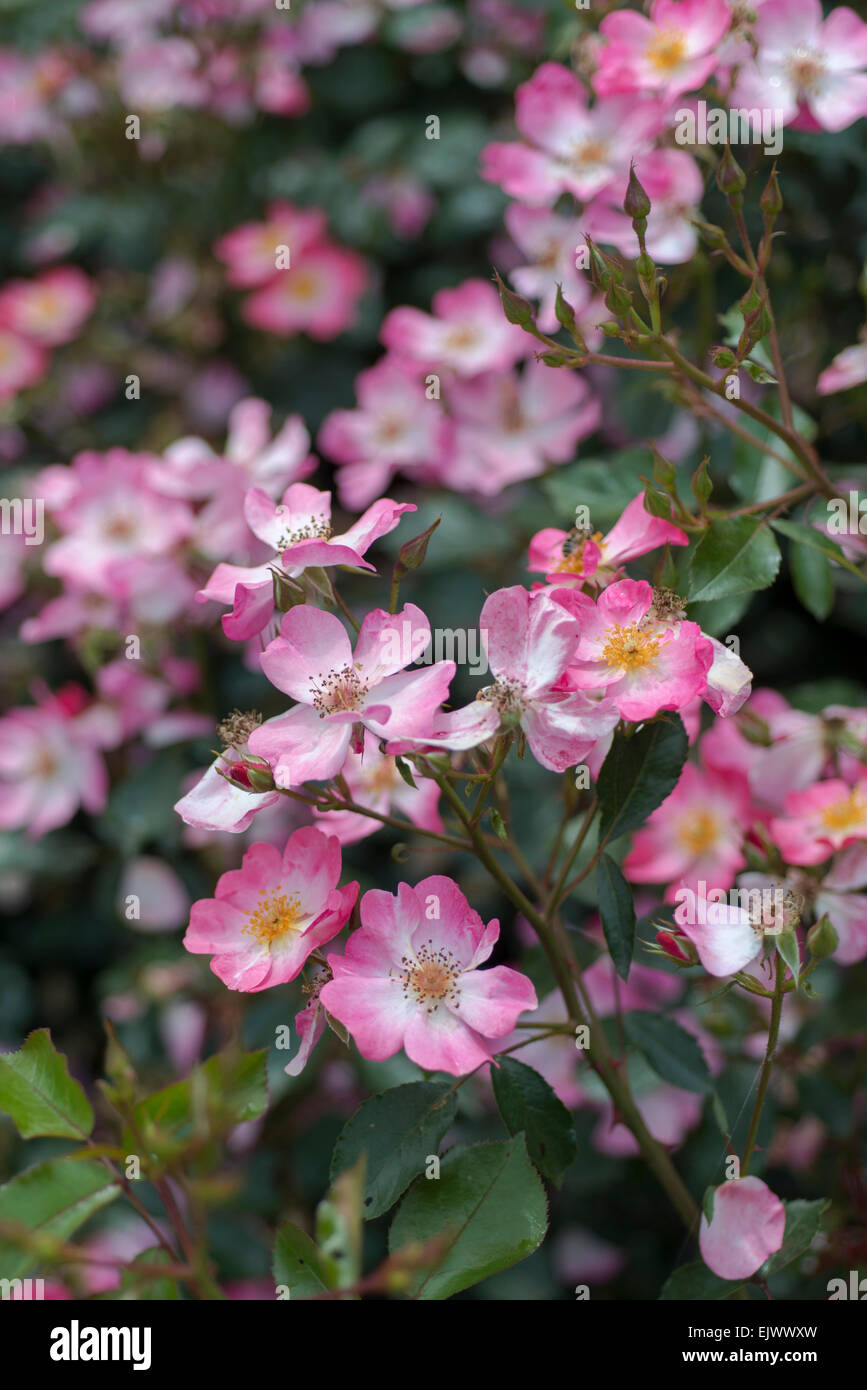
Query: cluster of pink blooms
302	280
38	315
449	405
579	140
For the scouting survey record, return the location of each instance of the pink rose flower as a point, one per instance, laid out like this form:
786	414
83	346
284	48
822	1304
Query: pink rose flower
827	816
269	915
410	979
670	52
596	557
746	1228
467	332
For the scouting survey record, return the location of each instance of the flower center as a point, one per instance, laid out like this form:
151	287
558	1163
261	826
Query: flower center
507	695
666	51
845	814
381	778
806	68
315	529
338	691
588	152
630	647
464	336
431	977
274	917
236	728
571	559
303	285
699	833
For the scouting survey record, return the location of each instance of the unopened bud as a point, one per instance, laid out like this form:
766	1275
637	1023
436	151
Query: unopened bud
730	177
771	201
636	204
822	939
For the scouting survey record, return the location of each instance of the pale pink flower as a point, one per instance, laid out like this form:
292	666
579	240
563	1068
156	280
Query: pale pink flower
839	897
746	1227
410	978
849	368
317	295
224	799
827	816
670	52
695	835
530	641
510	427
813	70
49	766
644	663
550	243
374	781
572	147
250	251
341	692
467	332
151	896
673	182
269	915
159	75
596	557
395	426
299	534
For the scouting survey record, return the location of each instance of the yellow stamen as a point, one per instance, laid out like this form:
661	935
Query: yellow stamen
666	50
845	814
629	646
274	918
699	833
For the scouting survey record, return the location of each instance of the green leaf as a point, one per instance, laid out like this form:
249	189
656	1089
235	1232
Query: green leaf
228	1089
639	773
405	771
39	1095
617	911
672	1052
803	1223
52	1199
788	949
527	1103
736	555
816	540
298	1263
812	580
487	1208
397	1130
696	1283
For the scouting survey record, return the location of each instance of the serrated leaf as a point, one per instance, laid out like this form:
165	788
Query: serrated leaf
397	1130
529	1105
487	1207
297	1263
53	1199
736	555
672	1052
617	910
39	1095
638	774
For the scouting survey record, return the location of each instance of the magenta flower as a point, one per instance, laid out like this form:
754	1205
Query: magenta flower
671	52
827	816
410	979
530	641
849	368
695	835
572	147
269	915
644	662
298	530
339	692
467	332
249	251
747	1227
599	557
22	364
845	906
